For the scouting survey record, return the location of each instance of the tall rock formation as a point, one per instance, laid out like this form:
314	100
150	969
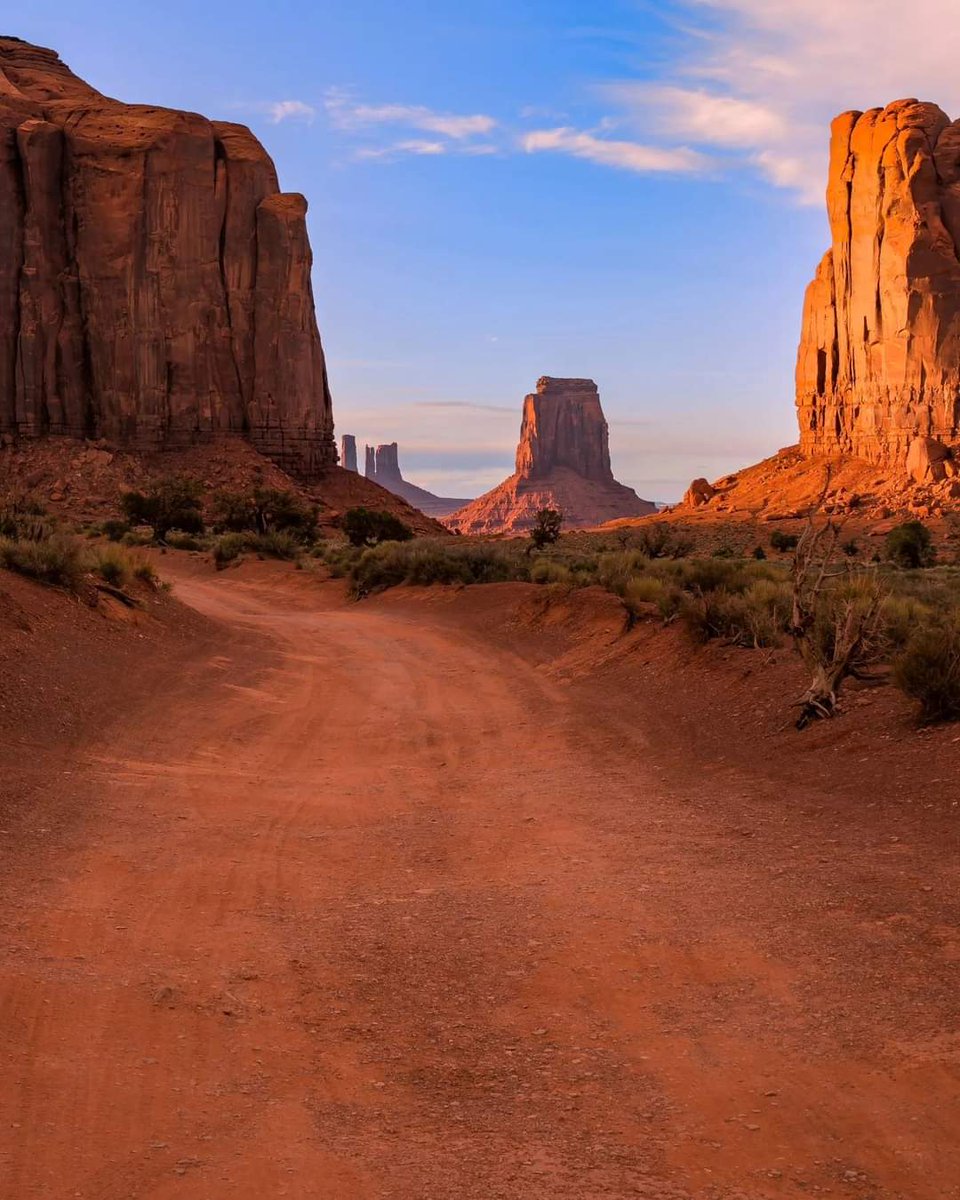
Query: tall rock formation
563	461
879	359
383	467
154	283
370	462
348	452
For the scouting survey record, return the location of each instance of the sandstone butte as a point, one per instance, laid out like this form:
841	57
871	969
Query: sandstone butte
878	367
154	281
563	462
382	466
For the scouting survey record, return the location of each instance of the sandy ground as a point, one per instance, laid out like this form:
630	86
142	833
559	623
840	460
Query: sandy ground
373	900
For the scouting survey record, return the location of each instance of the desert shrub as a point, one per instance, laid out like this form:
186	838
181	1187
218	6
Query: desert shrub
850	549
58	560
910	545
370	527
144	571
660	540
929	670
275	544
227	549
784	542
757	616
265	510
113	564
23	518
115	529
546	530
902	616
644	590
759	553
426	561
172	503
183	541
546	570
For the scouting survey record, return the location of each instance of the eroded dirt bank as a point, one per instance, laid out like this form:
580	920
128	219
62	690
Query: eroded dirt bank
396	900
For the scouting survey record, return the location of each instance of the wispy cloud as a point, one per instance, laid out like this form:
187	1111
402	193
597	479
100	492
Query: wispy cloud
467	405
451	132
610	152
289	110
759	80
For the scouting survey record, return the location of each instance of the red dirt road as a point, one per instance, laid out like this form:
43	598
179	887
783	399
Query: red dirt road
369	904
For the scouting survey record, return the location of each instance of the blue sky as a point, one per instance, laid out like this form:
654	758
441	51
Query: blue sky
619	189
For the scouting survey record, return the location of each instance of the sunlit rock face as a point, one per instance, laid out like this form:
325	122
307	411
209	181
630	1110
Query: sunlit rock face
154	282
563	462
879	359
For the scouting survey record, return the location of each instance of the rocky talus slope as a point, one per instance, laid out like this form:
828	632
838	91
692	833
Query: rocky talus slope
563	462
154	281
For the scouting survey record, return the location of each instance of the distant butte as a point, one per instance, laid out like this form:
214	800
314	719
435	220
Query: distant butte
563	462
383	467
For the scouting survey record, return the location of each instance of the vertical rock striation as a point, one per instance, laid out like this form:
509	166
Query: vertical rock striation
383	467
879	359
154	283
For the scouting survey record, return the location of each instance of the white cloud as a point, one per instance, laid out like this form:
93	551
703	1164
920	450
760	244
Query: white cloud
347	114
415	146
628	156
760	80
286	110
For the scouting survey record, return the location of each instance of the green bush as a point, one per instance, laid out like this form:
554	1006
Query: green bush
370	527
929	670
660	540
172	503
757	616
113	564
546	531
23	518
783	542
264	511
910	545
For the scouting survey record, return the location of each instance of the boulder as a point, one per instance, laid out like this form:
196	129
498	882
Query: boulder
699	492
154	282
930	461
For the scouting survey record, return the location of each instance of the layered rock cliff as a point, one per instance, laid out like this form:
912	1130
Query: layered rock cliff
563	461
154	282
879	359
383	467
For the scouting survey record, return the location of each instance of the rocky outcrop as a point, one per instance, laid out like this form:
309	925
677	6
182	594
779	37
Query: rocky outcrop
930	461
370	462
879	359
154	283
348	452
699	492
563	461
383	467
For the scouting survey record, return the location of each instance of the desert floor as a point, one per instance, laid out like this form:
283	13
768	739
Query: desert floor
398	899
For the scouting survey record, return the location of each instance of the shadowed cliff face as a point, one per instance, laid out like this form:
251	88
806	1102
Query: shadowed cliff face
348	452
564	426
154	283
879	358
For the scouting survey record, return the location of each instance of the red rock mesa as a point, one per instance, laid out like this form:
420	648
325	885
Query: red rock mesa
154	282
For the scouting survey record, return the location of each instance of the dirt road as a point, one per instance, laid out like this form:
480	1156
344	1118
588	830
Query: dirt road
371	906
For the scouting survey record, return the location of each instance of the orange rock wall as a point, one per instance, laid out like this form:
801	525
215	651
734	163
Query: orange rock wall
879	357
